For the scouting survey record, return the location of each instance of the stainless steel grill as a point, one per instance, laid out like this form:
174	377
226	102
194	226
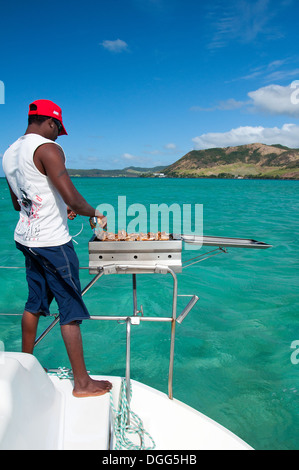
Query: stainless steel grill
147	253
135	253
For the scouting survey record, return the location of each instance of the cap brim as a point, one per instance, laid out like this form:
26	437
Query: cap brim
63	131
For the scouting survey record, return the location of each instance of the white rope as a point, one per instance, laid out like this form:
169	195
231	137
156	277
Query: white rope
121	428
61	373
77	234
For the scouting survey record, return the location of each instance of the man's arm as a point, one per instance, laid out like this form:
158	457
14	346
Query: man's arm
50	160
14	199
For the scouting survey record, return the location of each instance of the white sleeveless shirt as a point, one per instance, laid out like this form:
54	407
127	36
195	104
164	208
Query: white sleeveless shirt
43	215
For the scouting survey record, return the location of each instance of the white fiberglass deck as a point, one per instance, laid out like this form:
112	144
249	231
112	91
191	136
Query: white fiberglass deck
38	411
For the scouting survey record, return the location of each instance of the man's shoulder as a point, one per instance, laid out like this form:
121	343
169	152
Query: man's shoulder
49	148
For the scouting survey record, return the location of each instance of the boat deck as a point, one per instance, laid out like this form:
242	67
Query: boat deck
38	411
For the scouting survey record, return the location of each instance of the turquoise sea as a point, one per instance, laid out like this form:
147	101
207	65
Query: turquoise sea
233	351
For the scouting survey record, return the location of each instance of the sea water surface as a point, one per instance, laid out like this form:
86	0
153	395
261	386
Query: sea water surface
233	351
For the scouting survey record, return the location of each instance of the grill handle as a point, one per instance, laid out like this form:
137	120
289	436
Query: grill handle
188	307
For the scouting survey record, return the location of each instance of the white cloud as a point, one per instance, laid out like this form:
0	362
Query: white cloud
129	156
276	99
288	135
134	159
227	105
243	21
170	146
271	99
275	71
279	75
115	46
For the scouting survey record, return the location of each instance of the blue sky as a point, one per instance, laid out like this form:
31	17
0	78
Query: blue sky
143	82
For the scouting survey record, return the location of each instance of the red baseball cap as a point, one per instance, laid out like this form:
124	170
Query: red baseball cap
47	108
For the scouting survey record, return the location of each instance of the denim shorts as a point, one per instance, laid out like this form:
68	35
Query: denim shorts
53	272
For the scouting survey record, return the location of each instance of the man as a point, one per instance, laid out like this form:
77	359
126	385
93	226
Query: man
43	193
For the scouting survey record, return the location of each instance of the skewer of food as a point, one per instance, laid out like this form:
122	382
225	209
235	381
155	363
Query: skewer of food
122	235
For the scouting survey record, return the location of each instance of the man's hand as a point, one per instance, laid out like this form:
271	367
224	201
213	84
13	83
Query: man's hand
100	219
71	214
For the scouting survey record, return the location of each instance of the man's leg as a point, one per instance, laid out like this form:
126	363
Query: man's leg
29	328
84	386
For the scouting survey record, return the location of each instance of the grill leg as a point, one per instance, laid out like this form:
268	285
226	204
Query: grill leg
135	312
172	341
128	365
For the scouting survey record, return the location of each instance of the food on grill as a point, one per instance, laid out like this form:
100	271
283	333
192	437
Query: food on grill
133	237
153	236
101	235
111	236
143	236
122	235
164	236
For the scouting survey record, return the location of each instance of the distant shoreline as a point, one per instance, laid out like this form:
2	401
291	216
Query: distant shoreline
214	177
266	178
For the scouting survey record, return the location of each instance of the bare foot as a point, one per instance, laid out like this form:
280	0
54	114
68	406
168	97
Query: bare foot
94	388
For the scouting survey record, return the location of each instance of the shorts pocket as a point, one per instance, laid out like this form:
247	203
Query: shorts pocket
64	272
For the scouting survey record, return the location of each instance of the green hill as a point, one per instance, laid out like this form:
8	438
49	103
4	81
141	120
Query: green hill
245	161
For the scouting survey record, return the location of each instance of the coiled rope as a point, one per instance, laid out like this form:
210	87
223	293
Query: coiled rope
121	428
61	373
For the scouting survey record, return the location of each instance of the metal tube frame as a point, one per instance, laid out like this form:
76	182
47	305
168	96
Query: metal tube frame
128	367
